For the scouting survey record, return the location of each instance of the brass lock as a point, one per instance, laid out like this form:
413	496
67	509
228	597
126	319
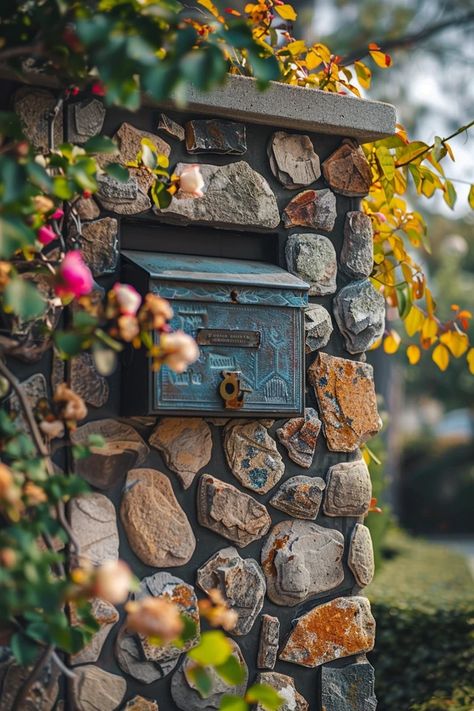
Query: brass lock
231	389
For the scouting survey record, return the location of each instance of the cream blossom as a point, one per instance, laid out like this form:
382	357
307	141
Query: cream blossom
71	404
180	350
154	617
112	581
128	298
128	327
52	429
191	180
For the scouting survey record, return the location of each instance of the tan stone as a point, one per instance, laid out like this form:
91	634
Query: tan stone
156	526
348	489
98	244
347	401
93	520
97	690
87	208
311	208
43	692
107	616
292	700
300	437
361	555
347	171
139	703
186	445
339	628
33	106
293	160
252	455
129	139
83	377
171	127
300	496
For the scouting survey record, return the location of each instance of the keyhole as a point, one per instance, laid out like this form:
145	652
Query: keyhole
234	296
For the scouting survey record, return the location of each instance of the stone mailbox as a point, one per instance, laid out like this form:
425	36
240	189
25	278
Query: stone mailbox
247	318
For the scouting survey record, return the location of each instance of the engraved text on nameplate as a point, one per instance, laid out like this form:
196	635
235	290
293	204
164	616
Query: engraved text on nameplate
224	337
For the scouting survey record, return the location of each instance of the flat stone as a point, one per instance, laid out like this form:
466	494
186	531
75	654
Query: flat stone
107	616
317	326
347	401
124	449
300	437
187	697
269	642
354	682
235	195
357	254
216	136
293	160
339	628
300	560
87	208
361	555
241	583
125	198
182	595
252	455
311	208
348	489
33	107
231	513
128	139
172	128
292	700
43	693
84	378
35	389
96	689
98	243
139	703
347	171
130	658
157	528
92	518
359	310
85	119
300	496
186	445
312	257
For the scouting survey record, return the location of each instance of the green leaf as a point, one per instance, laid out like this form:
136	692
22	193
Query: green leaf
14	235
96	440
117	171
148	154
233	703
189	628
24	649
10	125
264	69
449	194
231	671
214	648
160	196
22	298
201	679
264	695
62	188
100	144
39	177
68	343
12	180
82	319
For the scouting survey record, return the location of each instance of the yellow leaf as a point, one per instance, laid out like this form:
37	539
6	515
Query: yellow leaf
366	456
322	51
440	356
287	12
364	75
413	354
414	321
380	58
430	328
430	305
470	360
470	197
391	342
295	48
209	6
457	342
450	151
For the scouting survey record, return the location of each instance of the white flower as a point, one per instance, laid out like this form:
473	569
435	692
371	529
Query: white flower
191	180
112	581
128	298
180	350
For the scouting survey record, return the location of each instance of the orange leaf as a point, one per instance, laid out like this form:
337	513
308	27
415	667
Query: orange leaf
380	58
413	354
440	356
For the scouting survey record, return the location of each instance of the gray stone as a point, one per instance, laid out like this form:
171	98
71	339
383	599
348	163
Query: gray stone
269	642
300	496
313	258
339	628
33	107
359	310
171	127
85	119
311	208
361	555
300	437
300	560
357	254
157	528
182	595
35	389
130	658
241	583
92	518
317	326
231	513
252	455
186	445
293	160
83	377
186	695
123	449
94	689
216	136
347	171
43	693
354	684
139	703
235	195
98	243
348	489
122	198
292	700
87	208
107	616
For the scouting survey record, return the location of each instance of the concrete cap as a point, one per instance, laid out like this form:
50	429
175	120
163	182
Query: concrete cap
294	107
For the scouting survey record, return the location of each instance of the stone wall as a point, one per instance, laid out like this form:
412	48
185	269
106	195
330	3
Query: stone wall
271	512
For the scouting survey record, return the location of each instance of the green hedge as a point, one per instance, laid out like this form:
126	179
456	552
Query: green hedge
423	602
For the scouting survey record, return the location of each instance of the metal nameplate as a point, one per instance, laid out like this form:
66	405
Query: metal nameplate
224	337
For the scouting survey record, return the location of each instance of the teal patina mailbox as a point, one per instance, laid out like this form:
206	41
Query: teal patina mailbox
247	318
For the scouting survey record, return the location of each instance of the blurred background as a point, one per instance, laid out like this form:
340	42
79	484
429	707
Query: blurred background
423	592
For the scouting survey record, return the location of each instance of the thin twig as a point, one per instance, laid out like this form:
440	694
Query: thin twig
25	688
65	670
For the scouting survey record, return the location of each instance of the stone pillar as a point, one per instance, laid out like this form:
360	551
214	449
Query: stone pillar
173	496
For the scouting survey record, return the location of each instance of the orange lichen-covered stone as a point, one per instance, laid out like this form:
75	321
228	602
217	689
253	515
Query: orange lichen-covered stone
338	628
347	401
347	171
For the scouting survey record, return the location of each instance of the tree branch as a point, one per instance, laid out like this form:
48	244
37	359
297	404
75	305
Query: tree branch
24	50
20	699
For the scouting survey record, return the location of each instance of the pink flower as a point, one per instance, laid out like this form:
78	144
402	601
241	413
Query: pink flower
191	180
380	216
128	298
57	214
98	89
180	350
46	235
75	277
